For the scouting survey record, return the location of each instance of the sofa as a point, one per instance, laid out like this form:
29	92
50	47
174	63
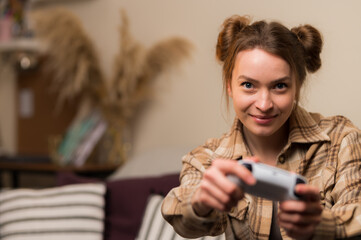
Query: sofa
125	206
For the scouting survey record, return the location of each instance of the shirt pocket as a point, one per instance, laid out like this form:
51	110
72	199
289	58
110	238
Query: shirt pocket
240	211
319	182
238	227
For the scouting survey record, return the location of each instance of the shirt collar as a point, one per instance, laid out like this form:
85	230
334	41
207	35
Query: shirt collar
304	128
232	144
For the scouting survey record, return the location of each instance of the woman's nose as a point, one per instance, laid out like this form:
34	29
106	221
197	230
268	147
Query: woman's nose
264	101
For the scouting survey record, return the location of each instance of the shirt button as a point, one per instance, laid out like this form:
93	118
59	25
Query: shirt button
282	159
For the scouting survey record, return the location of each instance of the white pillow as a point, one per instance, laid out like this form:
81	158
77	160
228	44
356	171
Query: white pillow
155	162
154	225
67	212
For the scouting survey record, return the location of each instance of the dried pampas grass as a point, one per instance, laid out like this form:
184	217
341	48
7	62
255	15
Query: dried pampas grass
136	68
72	57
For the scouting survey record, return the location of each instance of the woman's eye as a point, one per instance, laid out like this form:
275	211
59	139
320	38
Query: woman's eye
280	85
247	85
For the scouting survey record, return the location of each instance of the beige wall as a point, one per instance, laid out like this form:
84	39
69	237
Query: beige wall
188	107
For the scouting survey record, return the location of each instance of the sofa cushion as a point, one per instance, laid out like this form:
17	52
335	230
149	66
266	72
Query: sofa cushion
154	225
68	212
126	200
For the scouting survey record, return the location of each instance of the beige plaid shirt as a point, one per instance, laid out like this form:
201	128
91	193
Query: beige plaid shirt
327	151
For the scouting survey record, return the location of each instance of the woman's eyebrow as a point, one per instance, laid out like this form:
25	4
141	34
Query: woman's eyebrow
282	79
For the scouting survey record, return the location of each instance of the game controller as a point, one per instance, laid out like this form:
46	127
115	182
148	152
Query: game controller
271	183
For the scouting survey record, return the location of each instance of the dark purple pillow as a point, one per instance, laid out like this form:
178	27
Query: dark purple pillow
126	200
66	178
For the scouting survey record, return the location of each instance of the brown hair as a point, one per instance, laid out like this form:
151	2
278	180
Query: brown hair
300	47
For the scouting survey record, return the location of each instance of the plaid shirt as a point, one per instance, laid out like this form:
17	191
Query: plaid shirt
327	151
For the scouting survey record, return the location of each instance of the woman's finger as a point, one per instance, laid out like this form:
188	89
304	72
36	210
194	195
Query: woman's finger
301	207
228	167
295	231
308	192
203	198
299	219
219	179
214	191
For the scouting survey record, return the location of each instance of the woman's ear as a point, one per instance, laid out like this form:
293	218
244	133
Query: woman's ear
229	89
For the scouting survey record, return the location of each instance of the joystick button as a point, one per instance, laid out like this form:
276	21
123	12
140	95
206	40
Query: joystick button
299	181
248	166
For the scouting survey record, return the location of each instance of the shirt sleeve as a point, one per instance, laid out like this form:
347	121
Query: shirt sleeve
343	219
176	207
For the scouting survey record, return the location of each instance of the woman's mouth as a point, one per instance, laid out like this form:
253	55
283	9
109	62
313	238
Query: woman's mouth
263	119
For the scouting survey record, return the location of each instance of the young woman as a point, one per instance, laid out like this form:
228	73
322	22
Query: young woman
264	68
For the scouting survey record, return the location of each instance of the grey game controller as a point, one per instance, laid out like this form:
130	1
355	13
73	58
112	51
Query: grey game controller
271	183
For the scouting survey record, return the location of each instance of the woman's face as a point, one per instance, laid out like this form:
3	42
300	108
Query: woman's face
263	91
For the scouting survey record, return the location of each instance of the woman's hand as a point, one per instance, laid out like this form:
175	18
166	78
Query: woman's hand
216	191
300	218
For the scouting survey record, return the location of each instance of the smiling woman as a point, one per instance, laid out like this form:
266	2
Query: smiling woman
264	67
262	100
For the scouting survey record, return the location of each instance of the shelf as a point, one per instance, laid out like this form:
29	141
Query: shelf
17	165
36	2
25	44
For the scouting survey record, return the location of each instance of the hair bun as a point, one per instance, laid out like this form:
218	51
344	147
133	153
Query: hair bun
311	40
230	29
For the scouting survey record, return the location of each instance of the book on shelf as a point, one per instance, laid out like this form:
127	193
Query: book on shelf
81	139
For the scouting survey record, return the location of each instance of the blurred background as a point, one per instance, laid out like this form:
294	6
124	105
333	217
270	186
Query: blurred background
187	105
